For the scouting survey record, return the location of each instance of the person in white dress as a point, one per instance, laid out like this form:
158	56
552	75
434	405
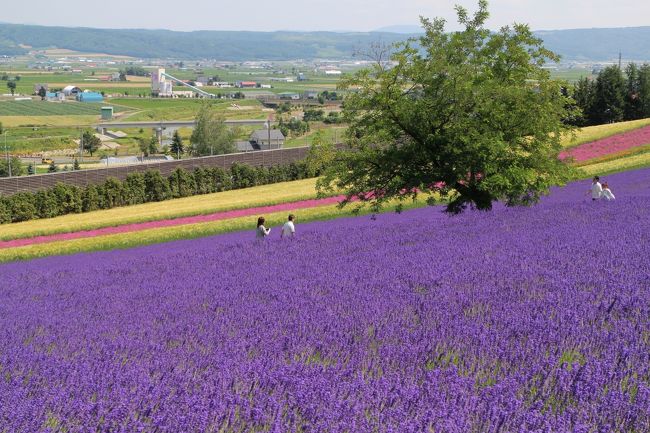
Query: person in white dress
596	189
261	231
607	193
289	229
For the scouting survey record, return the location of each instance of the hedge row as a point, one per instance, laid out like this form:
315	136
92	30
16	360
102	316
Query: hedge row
144	187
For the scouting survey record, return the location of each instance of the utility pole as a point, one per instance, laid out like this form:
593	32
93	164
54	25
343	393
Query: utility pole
7	155
81	145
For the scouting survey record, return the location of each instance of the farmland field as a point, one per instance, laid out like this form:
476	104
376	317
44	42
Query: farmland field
42	108
523	319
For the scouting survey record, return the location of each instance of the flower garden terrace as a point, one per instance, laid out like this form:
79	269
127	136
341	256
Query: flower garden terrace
522	319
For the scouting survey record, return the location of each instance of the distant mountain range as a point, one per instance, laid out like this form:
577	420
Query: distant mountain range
580	45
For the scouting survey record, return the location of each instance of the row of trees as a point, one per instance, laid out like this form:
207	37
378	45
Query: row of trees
614	96
137	188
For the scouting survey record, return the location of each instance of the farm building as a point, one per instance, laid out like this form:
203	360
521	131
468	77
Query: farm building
71	90
90	97
289	95
311	94
246	84
55	96
259	140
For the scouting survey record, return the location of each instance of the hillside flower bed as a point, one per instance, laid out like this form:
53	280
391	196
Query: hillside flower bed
609	145
519	320
265	195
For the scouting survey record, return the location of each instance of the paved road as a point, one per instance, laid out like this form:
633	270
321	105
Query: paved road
173	123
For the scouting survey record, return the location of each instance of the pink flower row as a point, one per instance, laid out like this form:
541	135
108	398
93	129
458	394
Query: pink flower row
609	145
303	204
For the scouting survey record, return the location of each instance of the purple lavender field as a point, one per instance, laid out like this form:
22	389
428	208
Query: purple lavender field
519	320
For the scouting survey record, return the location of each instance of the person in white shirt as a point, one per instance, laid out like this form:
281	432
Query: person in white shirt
596	189
261	231
289	229
607	193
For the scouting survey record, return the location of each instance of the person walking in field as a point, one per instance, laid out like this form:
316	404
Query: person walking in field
596	189
607	193
289	229
261	231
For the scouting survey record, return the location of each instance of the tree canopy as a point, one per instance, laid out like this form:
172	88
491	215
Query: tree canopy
470	115
90	142
211	135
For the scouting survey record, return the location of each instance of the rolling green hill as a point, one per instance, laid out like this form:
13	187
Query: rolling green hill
581	44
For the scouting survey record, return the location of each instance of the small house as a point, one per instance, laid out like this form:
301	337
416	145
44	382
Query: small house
261	138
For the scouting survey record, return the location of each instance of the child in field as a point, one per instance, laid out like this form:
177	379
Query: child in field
288	229
596	189
261	231
607	193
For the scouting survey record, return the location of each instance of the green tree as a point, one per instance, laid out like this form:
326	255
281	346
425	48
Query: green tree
52	168
144	146
11	85
177	145
90	142
471	115
644	90
609	103
42	93
30	169
211	135
152	147
75	165
17	168
584	93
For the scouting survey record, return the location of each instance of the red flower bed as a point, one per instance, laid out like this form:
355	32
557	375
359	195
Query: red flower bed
609	145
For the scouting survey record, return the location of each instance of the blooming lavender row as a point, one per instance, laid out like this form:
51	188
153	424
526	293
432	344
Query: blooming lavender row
519	320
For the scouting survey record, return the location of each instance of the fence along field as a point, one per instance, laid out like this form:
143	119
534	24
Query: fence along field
264	158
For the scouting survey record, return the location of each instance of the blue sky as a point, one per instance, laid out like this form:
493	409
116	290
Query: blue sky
354	15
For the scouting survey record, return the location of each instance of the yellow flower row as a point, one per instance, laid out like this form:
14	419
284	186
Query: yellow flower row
593	133
621	164
189	206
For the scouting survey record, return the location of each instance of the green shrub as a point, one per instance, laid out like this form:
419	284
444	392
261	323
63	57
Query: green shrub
46	203
90	200
68	198
220	178
156	187
135	188
243	176
181	183
22	207
203	182
5	211
112	193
